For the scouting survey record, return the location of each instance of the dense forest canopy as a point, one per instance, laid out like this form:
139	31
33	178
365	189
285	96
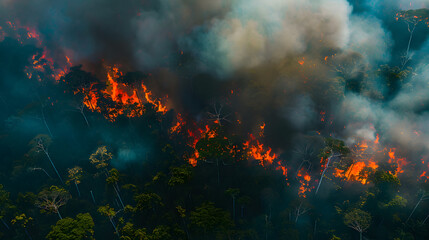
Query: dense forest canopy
214	119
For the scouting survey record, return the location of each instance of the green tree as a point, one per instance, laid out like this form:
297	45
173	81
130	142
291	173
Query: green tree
209	220
22	221
128	232
180	175
6	206
73	229
75	175
109	212
358	219
101	157
113	179
147	201
216	148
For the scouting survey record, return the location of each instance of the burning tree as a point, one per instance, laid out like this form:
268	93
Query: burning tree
358	219
50	200
41	143
215	148
334	148
85	87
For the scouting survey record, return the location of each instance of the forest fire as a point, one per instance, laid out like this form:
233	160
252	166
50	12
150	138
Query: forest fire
258	152
362	156
217	119
195	137
180	123
304	180
41	62
400	162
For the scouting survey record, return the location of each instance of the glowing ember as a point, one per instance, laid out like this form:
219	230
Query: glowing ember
180	122
304	180
195	137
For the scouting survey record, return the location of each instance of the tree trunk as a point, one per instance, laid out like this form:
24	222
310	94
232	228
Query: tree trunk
77	188
4	223
218	172
59	215
233	208
46	124
426	219
92	195
28	235
114	226
420	200
119	197
84	116
53	165
360	235
323	174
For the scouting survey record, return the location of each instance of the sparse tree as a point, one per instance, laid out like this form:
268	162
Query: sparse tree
358	219
41	143
50	200
423	196
233	192
412	18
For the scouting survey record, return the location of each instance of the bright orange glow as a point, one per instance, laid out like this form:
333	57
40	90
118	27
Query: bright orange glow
304	180
257	151
283	169
377	139
400	162
150	99
195	137
180	122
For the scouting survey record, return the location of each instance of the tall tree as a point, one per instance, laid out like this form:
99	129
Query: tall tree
233	192
358	219
52	199
75	175
41	143
109	212
412	18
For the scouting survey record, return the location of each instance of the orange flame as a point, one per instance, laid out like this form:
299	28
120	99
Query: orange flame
256	151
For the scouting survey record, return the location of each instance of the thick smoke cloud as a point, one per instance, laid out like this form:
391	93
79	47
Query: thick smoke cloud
286	60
